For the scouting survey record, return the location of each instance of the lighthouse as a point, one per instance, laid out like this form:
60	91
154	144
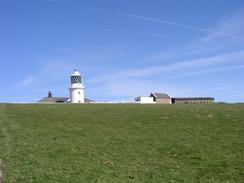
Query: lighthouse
76	88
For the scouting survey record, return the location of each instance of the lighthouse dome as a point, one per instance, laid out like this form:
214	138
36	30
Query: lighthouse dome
75	73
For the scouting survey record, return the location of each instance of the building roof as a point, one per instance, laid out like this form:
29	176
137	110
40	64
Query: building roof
75	73
59	100
87	100
160	95
54	99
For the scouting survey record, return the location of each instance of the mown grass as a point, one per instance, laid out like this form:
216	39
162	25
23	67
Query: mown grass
122	143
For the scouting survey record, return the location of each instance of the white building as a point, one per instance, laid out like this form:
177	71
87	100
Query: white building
76	88
145	100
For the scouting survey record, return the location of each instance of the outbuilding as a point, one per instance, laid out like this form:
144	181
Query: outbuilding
160	98
193	100
144	100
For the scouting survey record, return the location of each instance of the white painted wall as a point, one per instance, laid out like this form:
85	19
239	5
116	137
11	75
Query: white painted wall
145	100
77	95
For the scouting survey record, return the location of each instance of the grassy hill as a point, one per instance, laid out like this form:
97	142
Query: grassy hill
122	143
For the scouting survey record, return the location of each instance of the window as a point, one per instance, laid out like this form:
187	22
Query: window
75	79
79	92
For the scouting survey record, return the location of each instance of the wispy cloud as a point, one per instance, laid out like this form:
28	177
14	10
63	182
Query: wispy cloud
26	81
207	45
180	25
232	25
53	48
138	33
140	81
181	67
122	89
207	71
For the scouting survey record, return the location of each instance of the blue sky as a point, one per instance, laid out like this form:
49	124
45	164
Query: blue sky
123	48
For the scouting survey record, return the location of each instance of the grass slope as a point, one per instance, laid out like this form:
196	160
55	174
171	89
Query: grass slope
122	143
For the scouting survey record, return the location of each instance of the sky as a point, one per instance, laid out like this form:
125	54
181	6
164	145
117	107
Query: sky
122	48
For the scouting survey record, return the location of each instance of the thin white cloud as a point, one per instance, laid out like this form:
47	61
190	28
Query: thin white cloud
53	48
130	89
180	25
180	67
232	25
208	45
207	71
26	81
138	33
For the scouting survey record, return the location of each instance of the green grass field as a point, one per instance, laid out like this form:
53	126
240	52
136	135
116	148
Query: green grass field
115	143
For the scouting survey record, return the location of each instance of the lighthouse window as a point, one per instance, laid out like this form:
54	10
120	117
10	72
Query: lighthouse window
75	79
78	92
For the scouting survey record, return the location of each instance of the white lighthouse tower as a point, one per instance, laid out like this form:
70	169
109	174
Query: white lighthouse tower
76	88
